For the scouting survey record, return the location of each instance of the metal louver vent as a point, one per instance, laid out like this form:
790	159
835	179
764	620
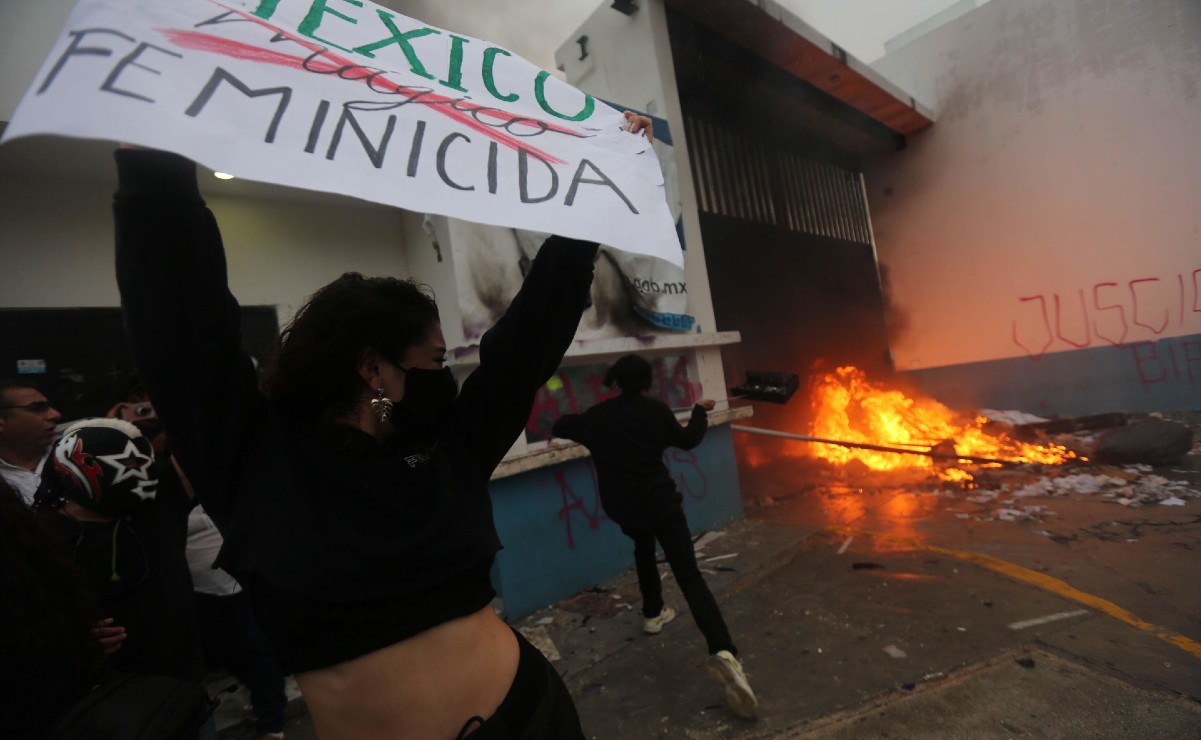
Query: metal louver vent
754	181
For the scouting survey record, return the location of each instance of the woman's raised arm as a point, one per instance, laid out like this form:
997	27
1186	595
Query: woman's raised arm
181	321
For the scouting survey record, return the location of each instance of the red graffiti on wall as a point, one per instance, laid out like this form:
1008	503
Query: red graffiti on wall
1167	362
575	389
1108	312
689	477
685	470
573	502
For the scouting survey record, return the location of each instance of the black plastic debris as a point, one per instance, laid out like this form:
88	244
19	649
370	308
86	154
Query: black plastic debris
765	386
1074	424
1152	442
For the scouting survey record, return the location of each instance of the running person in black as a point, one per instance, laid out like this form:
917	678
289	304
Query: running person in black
627	436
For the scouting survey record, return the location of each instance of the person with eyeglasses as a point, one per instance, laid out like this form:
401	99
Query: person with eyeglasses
28	426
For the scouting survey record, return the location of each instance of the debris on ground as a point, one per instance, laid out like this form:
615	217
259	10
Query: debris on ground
701	541
598	601
1041	427
540	638
1152	442
1145	445
1160	465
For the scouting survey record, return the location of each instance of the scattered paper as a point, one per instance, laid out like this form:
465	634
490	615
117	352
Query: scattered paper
721	557
1046	619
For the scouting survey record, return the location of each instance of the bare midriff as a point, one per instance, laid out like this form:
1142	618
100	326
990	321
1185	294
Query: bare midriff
424	688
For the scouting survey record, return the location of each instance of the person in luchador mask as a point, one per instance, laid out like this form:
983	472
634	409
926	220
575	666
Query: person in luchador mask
126	532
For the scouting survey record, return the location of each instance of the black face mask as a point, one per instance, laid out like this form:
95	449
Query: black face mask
425	407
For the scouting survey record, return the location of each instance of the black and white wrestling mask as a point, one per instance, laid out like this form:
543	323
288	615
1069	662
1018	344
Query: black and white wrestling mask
106	466
425	407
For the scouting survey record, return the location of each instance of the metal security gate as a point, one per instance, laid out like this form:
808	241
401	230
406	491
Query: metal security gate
756	181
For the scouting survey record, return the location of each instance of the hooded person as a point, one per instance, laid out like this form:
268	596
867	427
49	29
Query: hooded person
127	533
627	436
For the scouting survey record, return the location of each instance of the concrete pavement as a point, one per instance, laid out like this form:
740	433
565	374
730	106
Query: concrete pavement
881	611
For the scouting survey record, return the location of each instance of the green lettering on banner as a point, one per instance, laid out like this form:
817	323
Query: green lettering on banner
401	40
540	94
489	81
308	26
266	9
454	78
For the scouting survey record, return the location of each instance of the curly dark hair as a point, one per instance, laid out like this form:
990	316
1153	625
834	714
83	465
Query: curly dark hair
313	374
631	374
47	613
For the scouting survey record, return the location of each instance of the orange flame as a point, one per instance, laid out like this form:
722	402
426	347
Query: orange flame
850	408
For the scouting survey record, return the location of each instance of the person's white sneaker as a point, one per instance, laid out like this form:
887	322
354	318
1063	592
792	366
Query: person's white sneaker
726	670
654	625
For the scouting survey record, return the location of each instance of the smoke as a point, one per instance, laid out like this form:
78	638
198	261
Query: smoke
531	29
894	314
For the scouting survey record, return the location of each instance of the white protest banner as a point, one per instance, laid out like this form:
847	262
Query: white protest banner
349	97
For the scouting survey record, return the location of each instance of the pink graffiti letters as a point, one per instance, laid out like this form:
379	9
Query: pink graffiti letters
685	469
1168	361
1141	308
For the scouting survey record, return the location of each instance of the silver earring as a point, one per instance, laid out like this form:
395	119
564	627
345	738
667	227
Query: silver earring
381	406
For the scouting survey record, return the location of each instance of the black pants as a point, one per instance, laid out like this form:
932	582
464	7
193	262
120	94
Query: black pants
232	640
537	706
673	535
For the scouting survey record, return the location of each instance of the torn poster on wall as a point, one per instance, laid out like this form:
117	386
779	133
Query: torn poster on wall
632	294
657	289
352	98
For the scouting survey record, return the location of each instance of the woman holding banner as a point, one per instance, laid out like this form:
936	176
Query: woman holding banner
352	490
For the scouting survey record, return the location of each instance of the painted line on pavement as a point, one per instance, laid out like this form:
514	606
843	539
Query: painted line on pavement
1048	583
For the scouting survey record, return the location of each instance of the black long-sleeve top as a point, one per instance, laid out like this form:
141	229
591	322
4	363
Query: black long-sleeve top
627	436
353	522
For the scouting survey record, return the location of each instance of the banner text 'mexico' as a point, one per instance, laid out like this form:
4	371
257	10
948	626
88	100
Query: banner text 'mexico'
321	12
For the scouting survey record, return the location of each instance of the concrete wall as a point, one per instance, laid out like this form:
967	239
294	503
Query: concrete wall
558	541
57	244
1052	208
629	62
557	538
27	33
56	223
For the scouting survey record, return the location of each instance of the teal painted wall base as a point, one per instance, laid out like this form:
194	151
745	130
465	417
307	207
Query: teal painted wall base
1138	378
558	541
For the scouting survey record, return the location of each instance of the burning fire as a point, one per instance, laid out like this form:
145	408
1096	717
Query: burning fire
850	408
